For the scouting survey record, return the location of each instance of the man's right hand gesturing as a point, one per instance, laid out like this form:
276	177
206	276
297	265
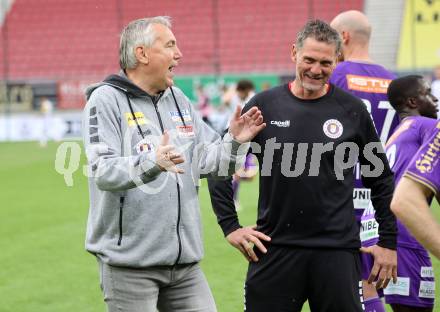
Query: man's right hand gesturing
166	156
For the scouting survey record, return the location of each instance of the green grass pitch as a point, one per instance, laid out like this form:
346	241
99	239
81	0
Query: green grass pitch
44	266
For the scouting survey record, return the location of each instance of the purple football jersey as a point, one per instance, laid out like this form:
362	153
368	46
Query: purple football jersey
424	167
369	82
415	282
401	147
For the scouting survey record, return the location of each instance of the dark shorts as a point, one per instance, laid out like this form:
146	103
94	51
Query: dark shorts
415	286
284	278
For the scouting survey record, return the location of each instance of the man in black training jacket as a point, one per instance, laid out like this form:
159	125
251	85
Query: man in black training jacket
306	239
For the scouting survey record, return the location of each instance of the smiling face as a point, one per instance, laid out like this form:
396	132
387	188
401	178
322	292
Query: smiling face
163	57
315	62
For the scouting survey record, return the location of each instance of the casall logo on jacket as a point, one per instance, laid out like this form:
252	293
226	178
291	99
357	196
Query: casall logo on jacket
281	124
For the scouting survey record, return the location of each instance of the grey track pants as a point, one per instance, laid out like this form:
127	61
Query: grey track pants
181	288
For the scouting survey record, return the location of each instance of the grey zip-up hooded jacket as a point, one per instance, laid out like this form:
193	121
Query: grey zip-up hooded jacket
139	215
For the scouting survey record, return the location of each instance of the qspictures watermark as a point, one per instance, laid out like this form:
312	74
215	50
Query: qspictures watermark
273	156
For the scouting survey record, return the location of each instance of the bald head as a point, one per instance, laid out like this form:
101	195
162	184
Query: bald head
355	23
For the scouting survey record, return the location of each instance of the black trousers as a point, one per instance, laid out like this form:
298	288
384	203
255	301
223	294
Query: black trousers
285	277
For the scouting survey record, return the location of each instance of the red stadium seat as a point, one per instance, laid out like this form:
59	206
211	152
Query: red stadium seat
52	39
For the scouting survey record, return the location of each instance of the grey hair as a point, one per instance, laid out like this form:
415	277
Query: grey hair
320	31
138	33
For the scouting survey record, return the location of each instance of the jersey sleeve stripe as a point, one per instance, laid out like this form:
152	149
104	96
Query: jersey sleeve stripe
421	180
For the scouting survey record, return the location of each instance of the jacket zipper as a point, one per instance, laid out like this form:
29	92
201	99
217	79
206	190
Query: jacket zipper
121	205
178	194
178	222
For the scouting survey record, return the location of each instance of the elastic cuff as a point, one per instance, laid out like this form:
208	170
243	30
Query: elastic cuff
229	227
388	243
150	174
228	138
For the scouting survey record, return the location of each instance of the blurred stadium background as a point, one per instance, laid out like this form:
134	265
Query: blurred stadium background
53	49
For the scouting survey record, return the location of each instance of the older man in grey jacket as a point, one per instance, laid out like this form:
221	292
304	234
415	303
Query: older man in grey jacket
146	149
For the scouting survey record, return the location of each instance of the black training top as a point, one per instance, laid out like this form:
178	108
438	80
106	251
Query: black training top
306	159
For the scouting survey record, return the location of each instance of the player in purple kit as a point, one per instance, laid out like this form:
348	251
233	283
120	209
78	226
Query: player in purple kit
417	109
358	74
415	190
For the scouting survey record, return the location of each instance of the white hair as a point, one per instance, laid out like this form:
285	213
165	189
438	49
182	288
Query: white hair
138	33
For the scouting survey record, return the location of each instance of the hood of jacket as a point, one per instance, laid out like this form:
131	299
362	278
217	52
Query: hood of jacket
122	82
